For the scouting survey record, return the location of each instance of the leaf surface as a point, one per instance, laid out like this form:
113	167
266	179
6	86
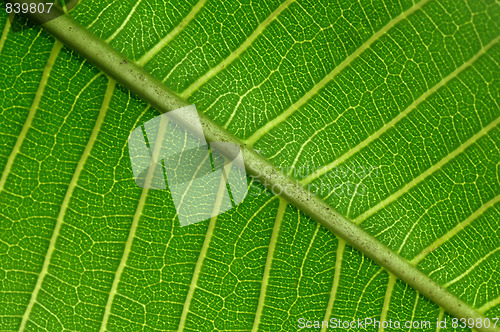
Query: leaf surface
387	110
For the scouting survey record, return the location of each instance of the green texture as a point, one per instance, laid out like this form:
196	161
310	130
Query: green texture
404	94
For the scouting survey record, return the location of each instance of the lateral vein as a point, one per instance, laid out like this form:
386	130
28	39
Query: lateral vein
267	269
120	28
347	61
472	267
489	305
5	32
32	112
399	117
336	280
428	172
65	203
387	300
165	40
234	55
152	91
446	237
201	258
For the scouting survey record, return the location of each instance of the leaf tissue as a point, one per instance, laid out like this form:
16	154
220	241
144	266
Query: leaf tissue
381	117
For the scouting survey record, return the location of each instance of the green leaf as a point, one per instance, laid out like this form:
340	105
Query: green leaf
387	110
